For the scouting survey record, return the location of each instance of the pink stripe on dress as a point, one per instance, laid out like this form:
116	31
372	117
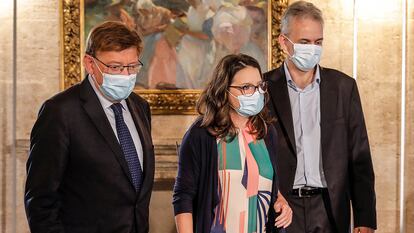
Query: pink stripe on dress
253	169
242	221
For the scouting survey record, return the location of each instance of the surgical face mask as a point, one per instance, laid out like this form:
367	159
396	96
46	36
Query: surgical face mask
250	105
117	87
305	56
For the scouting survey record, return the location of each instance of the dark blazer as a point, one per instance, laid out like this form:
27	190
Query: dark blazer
195	189
77	177
346	154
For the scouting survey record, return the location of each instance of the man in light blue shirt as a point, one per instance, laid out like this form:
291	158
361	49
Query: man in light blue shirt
306	115
324	159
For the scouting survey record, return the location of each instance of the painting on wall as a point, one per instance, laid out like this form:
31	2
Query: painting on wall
183	41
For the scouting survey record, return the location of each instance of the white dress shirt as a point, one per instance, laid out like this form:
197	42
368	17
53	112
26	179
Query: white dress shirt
106	105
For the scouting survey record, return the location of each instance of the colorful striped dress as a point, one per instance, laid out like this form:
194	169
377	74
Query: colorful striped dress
245	185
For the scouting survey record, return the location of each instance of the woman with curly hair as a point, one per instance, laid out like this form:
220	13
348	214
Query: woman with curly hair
227	178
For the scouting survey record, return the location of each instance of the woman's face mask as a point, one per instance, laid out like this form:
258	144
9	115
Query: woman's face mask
250	105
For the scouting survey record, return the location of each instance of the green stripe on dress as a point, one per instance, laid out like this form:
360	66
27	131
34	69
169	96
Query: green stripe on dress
233	160
261	155
252	218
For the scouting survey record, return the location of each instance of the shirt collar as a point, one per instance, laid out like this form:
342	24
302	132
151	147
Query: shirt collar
106	104
291	83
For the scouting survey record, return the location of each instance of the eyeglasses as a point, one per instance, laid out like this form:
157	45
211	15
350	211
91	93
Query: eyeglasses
250	89
117	69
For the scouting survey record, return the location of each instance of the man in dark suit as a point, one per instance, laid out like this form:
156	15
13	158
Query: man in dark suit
91	162
324	159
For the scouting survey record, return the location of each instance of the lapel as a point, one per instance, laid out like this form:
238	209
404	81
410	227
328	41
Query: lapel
145	137
280	99
269	140
328	107
93	108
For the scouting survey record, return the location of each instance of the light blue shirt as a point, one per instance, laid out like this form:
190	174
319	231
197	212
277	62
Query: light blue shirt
306	115
106	105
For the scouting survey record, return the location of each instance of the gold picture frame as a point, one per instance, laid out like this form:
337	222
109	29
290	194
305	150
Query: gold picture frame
161	101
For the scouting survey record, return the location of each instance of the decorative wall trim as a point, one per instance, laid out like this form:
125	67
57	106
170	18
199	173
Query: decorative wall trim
277	54
71	36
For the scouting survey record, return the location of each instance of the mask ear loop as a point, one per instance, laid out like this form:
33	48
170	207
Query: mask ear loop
94	79
97	65
232	94
264	122
231	106
92	75
287	52
288	39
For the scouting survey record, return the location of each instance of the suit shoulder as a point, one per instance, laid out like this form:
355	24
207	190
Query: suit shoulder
337	75
138	99
141	103
59	108
337	79
64	99
270	72
273	75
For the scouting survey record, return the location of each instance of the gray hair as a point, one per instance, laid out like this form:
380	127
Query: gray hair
300	9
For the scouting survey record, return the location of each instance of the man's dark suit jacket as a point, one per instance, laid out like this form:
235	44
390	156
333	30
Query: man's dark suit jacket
77	177
346	155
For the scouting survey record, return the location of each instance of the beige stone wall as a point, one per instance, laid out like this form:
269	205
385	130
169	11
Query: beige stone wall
37	79
410	120
38	76
37	59
379	75
166	130
6	180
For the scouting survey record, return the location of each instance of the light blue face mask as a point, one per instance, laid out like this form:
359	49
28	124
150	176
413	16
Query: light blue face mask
117	87
250	105
305	56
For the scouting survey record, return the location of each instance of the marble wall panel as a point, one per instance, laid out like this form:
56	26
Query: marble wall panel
37	59
379	75
6	105
409	171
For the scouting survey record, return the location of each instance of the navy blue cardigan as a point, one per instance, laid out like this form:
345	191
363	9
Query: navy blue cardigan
195	189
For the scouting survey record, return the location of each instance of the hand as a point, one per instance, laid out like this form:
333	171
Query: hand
363	230
281	206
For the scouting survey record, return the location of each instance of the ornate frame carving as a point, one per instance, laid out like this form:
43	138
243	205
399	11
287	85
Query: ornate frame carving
161	101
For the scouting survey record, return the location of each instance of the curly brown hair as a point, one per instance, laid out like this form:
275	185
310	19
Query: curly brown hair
213	104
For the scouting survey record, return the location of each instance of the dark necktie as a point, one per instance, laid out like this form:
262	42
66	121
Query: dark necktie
128	147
